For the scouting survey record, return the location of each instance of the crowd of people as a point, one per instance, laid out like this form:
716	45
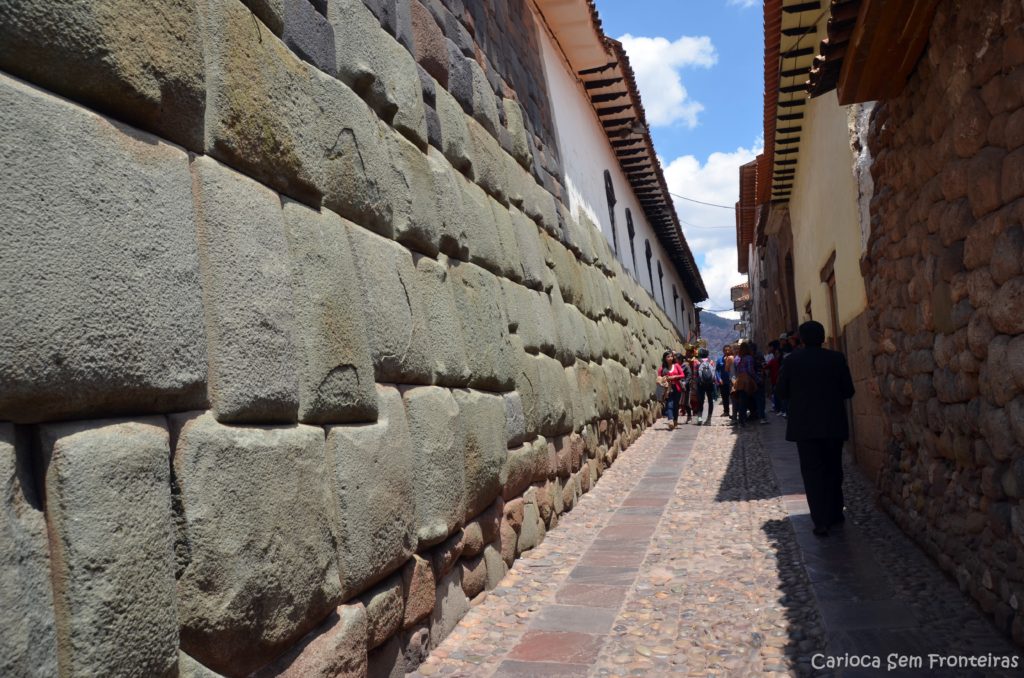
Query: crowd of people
804	382
743	377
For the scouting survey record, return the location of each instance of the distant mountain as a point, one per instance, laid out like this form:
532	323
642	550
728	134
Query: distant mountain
718	332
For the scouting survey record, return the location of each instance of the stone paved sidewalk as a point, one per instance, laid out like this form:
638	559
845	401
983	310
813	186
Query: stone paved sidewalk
693	557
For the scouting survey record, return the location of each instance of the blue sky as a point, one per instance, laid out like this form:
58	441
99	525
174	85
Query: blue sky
700	71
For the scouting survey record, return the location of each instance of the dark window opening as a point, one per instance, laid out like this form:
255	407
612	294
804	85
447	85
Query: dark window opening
632	232
675	305
609	192
650	275
661	285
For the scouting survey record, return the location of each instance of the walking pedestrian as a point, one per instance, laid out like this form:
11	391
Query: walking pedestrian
672	374
772	361
724	369
760	374
687	383
707	380
816	382
745	384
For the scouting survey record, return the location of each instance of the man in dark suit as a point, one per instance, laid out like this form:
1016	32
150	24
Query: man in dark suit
816	382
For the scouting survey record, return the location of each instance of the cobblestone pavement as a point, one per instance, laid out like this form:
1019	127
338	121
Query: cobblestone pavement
693	557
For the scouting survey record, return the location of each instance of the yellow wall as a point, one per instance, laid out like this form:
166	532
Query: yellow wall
824	214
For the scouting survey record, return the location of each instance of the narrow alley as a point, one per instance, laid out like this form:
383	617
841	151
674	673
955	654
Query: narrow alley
694	556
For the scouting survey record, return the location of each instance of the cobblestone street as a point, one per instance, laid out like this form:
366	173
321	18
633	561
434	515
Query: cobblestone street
693	556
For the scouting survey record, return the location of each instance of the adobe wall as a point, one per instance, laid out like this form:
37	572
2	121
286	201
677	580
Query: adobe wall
946	284
299	348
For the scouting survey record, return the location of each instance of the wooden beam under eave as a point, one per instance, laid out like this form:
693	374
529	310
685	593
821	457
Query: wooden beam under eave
884	48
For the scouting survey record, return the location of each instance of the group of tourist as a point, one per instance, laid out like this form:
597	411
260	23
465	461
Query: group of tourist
805	384
743	377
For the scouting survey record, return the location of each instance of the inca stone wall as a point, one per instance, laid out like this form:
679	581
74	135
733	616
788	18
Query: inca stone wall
299	348
946	283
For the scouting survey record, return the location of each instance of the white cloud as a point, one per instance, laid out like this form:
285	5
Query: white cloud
711	231
657	64
743	3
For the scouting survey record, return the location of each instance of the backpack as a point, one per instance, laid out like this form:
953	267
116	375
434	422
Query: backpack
706	373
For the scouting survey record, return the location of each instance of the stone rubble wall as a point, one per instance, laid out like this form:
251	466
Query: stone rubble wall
945	274
299	349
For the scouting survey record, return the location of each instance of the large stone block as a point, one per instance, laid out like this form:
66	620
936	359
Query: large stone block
455	141
102	305
515	419
252	579
450	605
387	275
440	462
429	46
362	173
517	131
484	327
468	84
418	220
308	33
481	241
384	611
247	297
489	162
554	400
108	508
378	68
335	368
28	644
531	251
261	111
418	584
336	649
387	661
483	439
511	264
141	62
372	494
439	331
523	466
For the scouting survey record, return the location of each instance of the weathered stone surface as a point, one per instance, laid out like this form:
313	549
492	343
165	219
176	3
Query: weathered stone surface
488	162
468	84
308	33
445	555
496	567
439	332
484	327
387	661
535	274
91	52
532	532
76	344
429	47
247	297
482	437
450	605
517	130
418	583
387	278
1006	311
474	576
395	17
472	221
554	401
384	611
108	509
416	645
190	668
418	222
379	69
511	265
27	638
455	142
522	467
373	494
531	317
439	477
362	176
251	579
335	368
515	420
337	648
270	12
261	110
